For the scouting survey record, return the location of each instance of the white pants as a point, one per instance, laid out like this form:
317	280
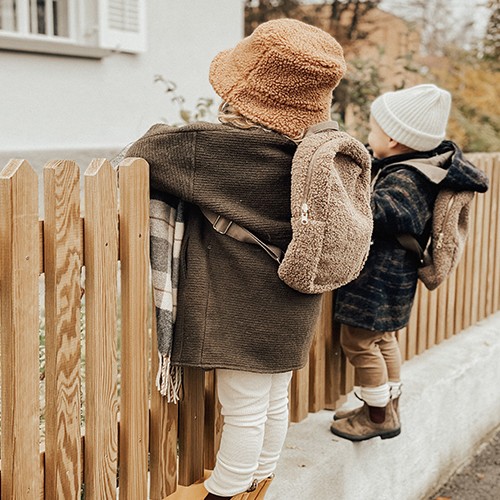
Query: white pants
255	411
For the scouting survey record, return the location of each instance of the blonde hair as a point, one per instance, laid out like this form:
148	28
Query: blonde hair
228	115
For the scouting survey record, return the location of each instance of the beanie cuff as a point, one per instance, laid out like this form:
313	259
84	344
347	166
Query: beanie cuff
395	129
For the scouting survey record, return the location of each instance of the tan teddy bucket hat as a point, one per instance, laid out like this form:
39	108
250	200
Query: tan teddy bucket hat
281	76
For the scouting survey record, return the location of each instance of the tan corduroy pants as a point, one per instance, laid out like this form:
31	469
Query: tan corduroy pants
375	355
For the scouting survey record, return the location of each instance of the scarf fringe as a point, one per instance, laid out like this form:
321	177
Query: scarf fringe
169	379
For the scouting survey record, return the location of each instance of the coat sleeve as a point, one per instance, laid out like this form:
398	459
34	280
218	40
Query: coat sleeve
402	203
170	155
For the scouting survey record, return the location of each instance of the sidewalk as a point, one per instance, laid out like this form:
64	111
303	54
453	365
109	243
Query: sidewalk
479	479
450	405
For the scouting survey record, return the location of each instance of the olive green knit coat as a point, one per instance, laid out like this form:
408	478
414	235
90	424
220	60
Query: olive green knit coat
233	309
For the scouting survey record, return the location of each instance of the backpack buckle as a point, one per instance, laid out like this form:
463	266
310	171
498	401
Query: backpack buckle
222	230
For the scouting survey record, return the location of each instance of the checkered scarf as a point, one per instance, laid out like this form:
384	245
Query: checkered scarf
166	219
167	228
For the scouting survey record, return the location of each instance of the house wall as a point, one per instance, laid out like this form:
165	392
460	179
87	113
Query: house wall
66	103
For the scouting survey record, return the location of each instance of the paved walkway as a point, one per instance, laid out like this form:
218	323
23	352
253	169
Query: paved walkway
477	480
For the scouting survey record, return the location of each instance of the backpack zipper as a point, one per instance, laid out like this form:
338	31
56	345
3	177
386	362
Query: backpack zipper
304	207
440	237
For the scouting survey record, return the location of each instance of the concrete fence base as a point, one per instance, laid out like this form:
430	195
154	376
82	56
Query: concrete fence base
450	405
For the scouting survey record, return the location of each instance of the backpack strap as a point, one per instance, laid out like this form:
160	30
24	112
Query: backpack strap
435	174
320	127
409	242
228	227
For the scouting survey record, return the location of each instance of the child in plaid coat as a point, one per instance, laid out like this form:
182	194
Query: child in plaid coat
405	125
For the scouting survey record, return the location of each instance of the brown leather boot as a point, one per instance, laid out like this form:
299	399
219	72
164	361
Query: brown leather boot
340	414
260	492
256	491
360	426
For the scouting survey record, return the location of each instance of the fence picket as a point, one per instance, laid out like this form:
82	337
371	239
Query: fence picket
213	420
493	214
299	394
62	264
191	418
422	319
460	285
431	321
333	366
412	328
133	175
101	256
485	239
317	361
441	299
450	305
496	194
19	266
469	266
402	336
163	435
478	250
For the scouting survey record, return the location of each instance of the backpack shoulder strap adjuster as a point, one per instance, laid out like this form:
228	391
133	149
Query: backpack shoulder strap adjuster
222	220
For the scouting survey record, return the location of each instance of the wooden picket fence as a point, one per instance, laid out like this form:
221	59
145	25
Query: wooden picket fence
107	432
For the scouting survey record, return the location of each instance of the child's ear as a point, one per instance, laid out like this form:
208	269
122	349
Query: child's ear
393	144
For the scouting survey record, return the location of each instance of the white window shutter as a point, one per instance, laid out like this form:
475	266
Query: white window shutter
122	25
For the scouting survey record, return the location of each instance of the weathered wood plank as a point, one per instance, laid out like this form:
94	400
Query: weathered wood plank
450	305
101	403
493	196
423	318
496	278
485	277
299	394
62	264
133	175
412	328
163	435
477	237
19	264
213	420
191	418
317	355
469	267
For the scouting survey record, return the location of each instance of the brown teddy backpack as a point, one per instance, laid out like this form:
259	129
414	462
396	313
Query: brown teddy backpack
331	216
450	225
331	220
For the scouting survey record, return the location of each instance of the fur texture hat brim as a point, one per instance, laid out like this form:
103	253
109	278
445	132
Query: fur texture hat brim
282	76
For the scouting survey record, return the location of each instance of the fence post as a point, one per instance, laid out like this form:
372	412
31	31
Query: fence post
317	355
163	434
133	177
19	265
495	181
101	404
62	265
191	426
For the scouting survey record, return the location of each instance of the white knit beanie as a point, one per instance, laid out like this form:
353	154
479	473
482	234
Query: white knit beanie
416	117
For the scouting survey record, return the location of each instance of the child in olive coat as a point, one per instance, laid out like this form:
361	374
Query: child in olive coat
234	314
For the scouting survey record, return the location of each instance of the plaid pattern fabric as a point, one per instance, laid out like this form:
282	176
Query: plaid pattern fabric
167	229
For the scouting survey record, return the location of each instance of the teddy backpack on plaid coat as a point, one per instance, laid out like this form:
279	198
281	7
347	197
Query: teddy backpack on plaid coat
331	220
450	226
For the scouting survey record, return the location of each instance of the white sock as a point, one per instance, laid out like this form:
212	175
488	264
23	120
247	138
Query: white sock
395	389
376	396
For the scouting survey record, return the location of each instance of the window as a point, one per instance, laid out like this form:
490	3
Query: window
88	28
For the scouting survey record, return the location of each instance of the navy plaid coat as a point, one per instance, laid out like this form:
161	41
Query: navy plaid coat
382	296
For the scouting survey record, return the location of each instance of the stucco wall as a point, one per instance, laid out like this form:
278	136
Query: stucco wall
55	102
